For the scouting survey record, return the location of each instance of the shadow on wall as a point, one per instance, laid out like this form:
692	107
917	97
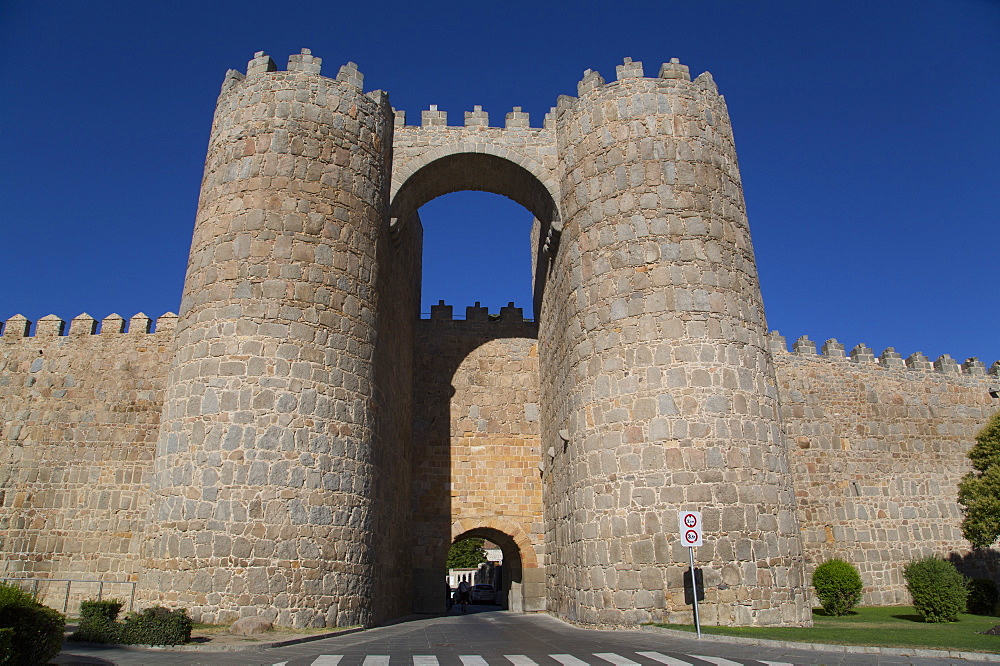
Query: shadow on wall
978	563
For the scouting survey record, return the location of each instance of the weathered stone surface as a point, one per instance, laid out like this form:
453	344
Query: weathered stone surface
654	300
247	626
299	447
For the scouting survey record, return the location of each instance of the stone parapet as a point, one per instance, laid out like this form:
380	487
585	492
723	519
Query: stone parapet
79	416
877	451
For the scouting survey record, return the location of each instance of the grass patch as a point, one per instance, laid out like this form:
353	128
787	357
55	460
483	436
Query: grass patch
883	626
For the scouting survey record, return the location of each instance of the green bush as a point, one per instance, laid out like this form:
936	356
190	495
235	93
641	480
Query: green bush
6	646
97	621
36	631
107	609
983	596
939	592
156	626
838	586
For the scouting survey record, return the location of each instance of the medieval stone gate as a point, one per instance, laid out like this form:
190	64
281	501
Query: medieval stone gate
318	446
298	341
477	444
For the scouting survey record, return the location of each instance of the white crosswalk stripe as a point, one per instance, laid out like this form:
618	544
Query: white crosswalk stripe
568	660
472	660
520	660
717	660
616	659
664	659
425	660
777	663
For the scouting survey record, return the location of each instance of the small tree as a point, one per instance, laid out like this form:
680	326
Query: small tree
466	554
979	491
838	586
939	592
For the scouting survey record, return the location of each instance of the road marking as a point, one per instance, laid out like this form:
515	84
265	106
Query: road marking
280	663
520	660
717	660
327	660
568	660
377	660
425	660
777	663
616	659
472	660
664	659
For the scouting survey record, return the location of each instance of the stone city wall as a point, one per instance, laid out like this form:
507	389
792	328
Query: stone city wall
476	443
79	415
878	446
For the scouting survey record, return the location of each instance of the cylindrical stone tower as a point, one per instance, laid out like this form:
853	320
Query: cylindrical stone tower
658	390
262	489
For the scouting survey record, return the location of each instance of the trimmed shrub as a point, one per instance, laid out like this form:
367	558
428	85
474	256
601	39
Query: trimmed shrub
983	596
36	631
6	646
156	626
107	609
97	621
939	592
838	586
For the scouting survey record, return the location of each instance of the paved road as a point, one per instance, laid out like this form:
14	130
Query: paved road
493	638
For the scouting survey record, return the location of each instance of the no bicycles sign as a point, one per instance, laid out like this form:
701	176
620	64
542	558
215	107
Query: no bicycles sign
690	526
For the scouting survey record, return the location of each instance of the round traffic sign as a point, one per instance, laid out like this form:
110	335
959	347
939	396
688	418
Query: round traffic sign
690	528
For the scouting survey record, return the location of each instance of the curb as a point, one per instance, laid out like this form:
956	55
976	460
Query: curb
208	647
831	647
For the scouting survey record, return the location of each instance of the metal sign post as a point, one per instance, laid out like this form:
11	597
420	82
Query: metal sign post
690	527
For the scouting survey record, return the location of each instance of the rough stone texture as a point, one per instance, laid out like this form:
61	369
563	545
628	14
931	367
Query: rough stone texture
877	453
319	447
652	343
263	489
476	434
78	422
247	626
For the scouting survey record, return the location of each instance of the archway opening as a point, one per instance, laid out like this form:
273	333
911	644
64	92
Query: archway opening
503	571
476	248
419	183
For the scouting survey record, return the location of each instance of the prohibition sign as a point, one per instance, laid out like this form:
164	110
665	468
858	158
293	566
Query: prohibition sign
690	528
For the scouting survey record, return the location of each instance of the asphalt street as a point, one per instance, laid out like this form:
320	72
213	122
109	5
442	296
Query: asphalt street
487	637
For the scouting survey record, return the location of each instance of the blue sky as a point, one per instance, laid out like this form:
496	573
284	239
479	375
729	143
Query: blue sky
867	133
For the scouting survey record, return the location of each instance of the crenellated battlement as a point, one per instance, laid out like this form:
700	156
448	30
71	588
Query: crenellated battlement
479	313
889	358
302	63
670	73
515	119
51	326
